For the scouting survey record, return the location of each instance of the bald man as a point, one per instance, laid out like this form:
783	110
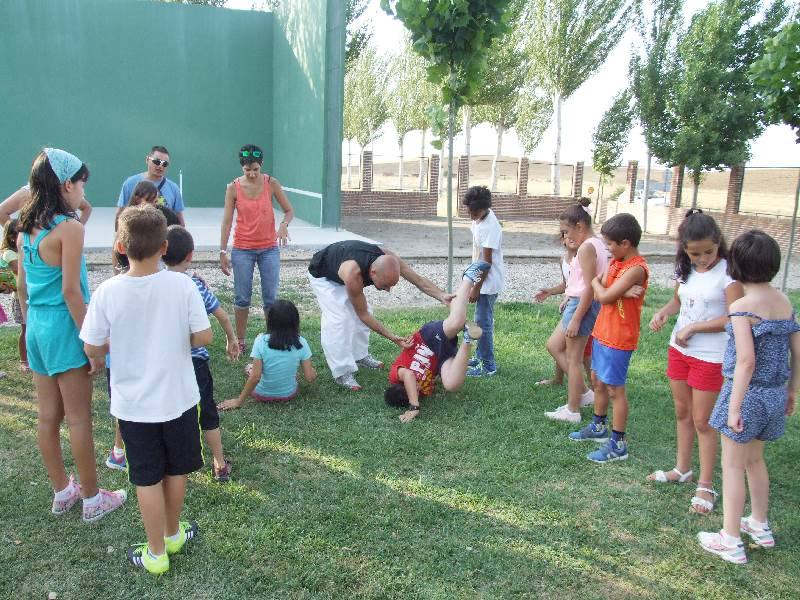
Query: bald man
338	276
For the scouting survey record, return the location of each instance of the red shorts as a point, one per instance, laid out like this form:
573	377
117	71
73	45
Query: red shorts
587	351
273	399
698	374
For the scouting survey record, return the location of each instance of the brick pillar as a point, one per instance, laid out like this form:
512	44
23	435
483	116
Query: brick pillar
366	171
676	187
463	177
522	177
735	182
630	178
433	174
577	181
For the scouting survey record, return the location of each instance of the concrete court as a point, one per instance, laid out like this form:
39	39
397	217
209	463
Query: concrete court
204	224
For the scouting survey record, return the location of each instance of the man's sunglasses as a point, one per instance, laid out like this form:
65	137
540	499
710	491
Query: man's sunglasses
249	153
158	162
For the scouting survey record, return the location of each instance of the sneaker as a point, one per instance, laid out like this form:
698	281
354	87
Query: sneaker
761	537
112	462
596	432
587	398
481	371
609	452
62	506
223	474
473	362
188	530
563	413
472	333
109	501
140	557
714	542
369	362
476	271
349	382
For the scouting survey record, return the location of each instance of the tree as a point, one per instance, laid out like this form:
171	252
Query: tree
358	35
453	36
715	107
611	136
535	112
652	71
569	40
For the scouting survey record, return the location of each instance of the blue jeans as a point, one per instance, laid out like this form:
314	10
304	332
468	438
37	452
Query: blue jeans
269	266
484	317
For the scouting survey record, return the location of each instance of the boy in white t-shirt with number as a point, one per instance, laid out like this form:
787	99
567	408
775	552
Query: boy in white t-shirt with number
487	240
155	317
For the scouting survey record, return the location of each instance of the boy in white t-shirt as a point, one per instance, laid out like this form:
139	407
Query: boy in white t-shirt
487	239
155	317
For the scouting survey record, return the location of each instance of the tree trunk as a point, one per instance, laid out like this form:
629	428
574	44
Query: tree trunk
349	162
791	235
497	152
555	169
401	161
451	129
422	162
646	191
467	131
696	188
598	197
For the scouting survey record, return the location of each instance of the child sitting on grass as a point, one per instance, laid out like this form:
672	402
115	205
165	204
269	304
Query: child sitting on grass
154	318
8	284
180	247
276	356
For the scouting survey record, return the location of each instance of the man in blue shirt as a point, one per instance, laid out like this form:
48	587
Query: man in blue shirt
169	194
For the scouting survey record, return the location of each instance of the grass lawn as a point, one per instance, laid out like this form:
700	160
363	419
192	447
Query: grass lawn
332	496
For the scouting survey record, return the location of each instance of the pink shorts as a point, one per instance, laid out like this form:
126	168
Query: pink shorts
698	374
273	399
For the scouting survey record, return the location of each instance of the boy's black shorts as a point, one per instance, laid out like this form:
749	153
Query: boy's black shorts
209	415
154	450
434	337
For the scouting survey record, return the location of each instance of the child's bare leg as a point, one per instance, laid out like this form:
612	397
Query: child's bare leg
733	492
152	505
174	493
587	369
240	316
458	310
454	370
118	443
620	400
51	413
76	393
575	384
757	481
707	436
21	346
214	442
600	396
682	398
557	347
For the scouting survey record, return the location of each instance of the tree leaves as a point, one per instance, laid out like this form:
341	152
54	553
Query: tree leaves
611	135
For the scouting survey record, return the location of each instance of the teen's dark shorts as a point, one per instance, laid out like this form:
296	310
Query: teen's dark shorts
209	415
155	450
433	335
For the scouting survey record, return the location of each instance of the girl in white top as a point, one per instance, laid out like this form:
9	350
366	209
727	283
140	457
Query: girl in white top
703	293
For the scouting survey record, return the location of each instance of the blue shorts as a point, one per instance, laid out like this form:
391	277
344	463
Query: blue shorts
587	323
763	413
52	341
434	337
609	364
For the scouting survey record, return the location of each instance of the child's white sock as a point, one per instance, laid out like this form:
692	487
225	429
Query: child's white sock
118	452
176	537
729	540
93	500
66	492
153	556
757	525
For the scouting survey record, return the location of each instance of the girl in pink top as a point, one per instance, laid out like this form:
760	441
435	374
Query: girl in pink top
580	311
255	239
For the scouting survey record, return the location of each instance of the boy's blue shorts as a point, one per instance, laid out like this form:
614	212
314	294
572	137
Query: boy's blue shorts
609	364
52	341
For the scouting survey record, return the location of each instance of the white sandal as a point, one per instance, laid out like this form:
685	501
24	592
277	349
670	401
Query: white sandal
661	476
708	505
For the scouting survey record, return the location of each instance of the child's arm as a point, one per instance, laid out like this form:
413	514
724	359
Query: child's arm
672	307
232	346
794	380
544	293
201	338
96	356
308	371
410	385
633	276
743	371
71	253
732	293
249	386
475	291
587	257
22	286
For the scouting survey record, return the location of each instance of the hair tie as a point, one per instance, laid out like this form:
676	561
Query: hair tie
694	211
64	164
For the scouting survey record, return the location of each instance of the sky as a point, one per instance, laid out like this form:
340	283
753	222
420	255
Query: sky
579	114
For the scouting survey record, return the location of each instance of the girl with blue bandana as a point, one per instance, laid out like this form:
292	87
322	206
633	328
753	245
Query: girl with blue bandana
53	291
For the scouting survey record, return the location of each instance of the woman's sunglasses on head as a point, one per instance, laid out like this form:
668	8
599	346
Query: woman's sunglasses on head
249	153
159	163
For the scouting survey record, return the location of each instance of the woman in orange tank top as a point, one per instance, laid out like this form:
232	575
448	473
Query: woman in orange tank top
255	239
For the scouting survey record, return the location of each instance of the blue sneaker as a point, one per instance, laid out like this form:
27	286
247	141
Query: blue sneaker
596	432
609	452
481	371
112	462
472	333
473	362
476	271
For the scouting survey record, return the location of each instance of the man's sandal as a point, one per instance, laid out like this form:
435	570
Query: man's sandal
661	477
701	503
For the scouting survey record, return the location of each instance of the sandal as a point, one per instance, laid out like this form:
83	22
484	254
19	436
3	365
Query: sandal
701	503
661	477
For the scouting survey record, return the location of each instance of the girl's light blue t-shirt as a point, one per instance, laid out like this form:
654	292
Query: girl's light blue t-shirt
279	375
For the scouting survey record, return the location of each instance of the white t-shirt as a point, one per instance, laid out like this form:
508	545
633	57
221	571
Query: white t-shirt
487	233
148	321
703	299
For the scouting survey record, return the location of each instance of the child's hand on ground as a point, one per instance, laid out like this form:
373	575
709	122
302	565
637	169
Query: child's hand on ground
658	321
735	421
682	336
229	404
409	416
634	291
541	296
232	349
572	329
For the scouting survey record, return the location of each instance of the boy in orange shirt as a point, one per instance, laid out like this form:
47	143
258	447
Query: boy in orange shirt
616	335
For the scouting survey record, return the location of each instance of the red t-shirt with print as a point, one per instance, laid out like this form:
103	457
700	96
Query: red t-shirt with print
421	361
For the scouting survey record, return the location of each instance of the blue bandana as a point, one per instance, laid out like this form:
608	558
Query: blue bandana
64	164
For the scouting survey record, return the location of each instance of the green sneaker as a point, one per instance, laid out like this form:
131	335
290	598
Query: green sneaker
139	556
188	531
